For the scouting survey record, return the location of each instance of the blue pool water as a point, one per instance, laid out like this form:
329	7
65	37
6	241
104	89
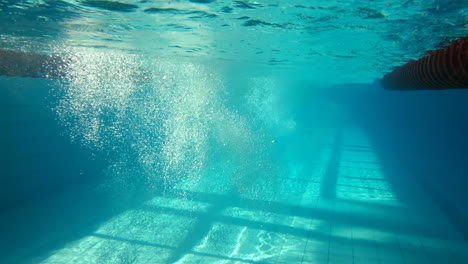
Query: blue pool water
209	131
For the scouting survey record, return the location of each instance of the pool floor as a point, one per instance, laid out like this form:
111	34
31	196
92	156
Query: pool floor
343	210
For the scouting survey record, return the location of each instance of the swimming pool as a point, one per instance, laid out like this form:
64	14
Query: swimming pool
228	132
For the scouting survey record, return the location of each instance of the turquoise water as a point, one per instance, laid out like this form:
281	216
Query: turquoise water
209	131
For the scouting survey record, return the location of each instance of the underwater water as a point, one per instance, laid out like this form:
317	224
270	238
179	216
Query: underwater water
209	131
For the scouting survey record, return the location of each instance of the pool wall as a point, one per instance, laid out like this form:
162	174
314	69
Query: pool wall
423	132
38	157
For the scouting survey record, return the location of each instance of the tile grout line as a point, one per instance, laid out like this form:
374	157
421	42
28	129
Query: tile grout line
351	210
332	221
308	236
